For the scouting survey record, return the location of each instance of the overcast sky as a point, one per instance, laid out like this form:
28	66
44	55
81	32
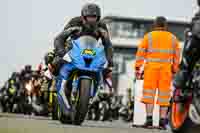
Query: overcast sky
27	27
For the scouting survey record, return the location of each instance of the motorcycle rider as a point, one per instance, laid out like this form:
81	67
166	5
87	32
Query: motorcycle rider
13	82
46	71
26	73
88	23
191	53
10	92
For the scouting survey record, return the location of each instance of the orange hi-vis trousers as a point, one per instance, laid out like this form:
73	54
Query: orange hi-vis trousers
157	77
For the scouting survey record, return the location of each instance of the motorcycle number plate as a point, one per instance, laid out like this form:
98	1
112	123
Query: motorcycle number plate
89	52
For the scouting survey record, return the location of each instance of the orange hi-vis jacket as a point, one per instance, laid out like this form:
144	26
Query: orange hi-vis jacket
159	52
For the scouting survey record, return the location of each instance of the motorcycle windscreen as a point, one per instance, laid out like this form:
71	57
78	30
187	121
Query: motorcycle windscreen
87	54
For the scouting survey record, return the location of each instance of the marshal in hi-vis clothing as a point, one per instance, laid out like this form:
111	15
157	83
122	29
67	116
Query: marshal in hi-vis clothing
161	52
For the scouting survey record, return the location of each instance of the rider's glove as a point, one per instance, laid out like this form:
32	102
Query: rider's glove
73	30
107	72
102	32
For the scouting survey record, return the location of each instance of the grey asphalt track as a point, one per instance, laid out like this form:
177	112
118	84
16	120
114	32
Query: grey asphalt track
11	123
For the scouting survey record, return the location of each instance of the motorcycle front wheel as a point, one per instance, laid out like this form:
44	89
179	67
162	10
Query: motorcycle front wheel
82	106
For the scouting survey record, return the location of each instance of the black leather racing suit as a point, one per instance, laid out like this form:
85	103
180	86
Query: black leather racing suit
191	53
60	40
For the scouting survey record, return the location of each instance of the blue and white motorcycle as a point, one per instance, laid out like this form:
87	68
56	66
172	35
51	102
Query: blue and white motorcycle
86	60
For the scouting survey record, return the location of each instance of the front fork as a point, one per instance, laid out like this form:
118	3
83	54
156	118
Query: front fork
75	89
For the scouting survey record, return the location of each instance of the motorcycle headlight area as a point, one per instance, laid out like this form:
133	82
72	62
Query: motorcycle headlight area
88	55
28	87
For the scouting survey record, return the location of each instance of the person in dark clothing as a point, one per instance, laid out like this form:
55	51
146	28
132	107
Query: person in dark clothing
88	23
190	57
191	52
26	73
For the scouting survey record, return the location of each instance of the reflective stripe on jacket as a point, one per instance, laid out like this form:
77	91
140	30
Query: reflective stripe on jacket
159	47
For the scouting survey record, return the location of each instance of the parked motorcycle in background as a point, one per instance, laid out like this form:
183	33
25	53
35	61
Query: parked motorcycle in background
126	111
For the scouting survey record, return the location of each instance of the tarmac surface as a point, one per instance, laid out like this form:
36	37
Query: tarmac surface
12	123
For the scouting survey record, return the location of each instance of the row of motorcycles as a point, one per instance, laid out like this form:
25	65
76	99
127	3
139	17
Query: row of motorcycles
28	96
32	100
108	108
